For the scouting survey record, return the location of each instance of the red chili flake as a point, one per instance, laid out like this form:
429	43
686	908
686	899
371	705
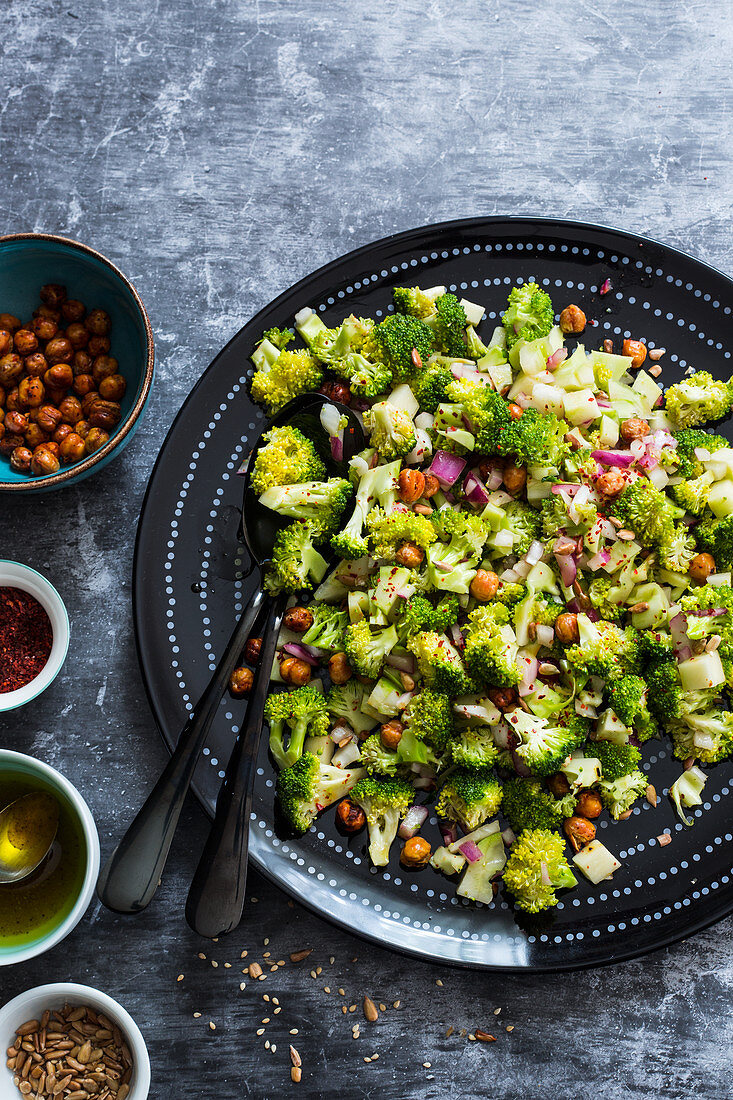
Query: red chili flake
605	286
26	638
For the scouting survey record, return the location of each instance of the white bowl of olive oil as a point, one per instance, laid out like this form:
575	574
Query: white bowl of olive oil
39	911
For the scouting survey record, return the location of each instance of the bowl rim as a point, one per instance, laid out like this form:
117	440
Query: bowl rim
64	476
99	1001
51	601
91	837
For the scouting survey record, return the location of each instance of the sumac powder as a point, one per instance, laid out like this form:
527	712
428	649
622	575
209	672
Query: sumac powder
26	638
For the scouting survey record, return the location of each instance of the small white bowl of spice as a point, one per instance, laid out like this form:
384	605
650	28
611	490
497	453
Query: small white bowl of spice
75	1037
34	634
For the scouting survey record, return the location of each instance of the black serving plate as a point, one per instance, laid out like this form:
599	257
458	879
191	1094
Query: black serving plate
192	578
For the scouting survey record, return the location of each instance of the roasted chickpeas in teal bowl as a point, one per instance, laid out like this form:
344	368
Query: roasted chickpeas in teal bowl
76	362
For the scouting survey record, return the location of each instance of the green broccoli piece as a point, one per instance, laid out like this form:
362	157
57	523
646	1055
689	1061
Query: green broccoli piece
429	717
664	691
376	759
616	760
387	532
677	550
626	697
529	316
619	795
452	563
527	805
688	441
698	399
431	387
474	747
287	457
707	735
321	502
716	536
486	411
537	855
475	346
491	648
440	663
346	701
654	645
542	747
392	430
450	325
693	495
524	522
413	302
647	512
308	786
280	337
296	564
603	597
296	714
277	381
470	797
418	614
393	342
384	802
366	649
534	437
376	486
604	649
327	629
510	594
365	379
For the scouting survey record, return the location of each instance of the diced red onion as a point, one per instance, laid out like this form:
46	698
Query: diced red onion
636	447
683	653
535	552
568	568
601	558
447	468
413	821
545	635
603	404
404	663
557	357
678	627
470	850
528	666
302	652
509	576
564	488
545	874
523	400
402	700
449	833
604	288
496	476
475	490
337	447
501	735
593	615
463	370
608	530
519	766
456	636
613	458
508	836
339	732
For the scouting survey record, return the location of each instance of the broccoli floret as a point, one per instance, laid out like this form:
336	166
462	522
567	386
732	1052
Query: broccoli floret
296	714
376	486
707	735
533	437
474	747
452	563
688	441
274	383
387	532
543	747
307	787
295	562
280	337
413	302
601	594
716	536
604	649
687	791
538	855
677	550
376	759
393	342
392	430
510	594
450	325
366	649
418	614
491	647
616	760
529	316
524	522
384	802
440	663
619	795
475	346
364	378
431	388
654	645
346	701
286	458
486	411
693	495
327	629
626	697
647	511
470	797
664	690
429	717
321	502
698	399
527	805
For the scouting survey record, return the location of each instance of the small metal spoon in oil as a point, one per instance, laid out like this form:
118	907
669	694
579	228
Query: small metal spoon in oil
27	830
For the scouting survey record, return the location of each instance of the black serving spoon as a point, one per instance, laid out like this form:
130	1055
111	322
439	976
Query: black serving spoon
132	874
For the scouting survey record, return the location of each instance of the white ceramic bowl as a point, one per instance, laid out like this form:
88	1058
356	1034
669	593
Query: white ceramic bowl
31	1005
15	575
18	762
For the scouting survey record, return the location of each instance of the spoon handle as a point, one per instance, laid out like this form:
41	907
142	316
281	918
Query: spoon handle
216	898
131	875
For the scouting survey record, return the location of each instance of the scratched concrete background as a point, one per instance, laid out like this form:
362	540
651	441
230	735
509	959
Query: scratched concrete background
218	151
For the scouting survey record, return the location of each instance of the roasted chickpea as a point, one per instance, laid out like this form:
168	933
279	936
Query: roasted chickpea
9	441
94	439
11	369
484	585
82	362
515	478
34	436
72	447
98	322
637	350
350	817
51	446
44	461
82	428
701	567
46	311
16	422
292	670
36	365
113	388
61	432
558	784
572	319
579	831
634	428
390	734
416	852
44	328
240	681
503	698
611	483
25	342
59	377
566	628
12	403
48	418
53	295
83	384
31	392
6	341
59	350
98	345
336	391
431	486
339	669
89	401
105	414
298	619
410	485
54	396
589	804
409	555
70	409
252	650
20	460
516	411
77	336
9	322
73	310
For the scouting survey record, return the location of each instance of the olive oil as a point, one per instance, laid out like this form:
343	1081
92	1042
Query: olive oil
33	907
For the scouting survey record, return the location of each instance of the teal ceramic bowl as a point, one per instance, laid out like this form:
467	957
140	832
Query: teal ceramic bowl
27	261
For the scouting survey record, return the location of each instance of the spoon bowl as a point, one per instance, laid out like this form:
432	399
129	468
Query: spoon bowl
28	829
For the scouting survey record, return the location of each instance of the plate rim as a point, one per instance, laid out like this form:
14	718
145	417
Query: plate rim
714	914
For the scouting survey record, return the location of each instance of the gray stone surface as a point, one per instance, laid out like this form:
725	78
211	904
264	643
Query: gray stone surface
218	151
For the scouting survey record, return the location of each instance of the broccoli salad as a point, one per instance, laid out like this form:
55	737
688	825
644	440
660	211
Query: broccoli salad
525	576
